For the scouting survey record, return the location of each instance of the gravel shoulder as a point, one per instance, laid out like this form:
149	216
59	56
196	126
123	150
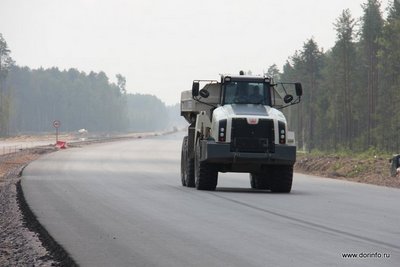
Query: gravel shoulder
19	245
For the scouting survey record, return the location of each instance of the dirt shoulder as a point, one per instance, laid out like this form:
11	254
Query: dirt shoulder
19	245
373	170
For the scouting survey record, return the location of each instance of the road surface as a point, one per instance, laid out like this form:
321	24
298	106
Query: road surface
121	204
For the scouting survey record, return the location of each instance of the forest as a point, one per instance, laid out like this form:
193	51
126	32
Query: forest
350	102
31	99
351	91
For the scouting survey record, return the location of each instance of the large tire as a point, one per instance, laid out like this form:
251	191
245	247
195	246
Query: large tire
187	165
252	181
282	178
189	172
259	180
206	175
183	161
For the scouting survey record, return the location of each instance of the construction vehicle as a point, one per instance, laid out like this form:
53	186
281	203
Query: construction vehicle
235	125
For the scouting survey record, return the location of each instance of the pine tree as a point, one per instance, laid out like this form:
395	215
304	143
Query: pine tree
273	72
6	62
305	66
371	30
344	60
389	66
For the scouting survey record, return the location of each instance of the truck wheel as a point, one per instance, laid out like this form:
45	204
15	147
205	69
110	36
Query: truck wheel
187	165
189	172
259	180
281	180
252	181
183	161
206	175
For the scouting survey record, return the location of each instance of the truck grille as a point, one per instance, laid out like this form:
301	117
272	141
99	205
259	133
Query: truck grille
252	137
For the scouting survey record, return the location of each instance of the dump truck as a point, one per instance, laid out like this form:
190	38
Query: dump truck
235	125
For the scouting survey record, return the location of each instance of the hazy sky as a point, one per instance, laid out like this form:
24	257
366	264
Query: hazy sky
160	46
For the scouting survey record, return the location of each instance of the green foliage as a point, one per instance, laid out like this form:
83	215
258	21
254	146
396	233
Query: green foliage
121	83
344	62
6	62
352	91
80	100
344	152
305	66
77	99
389	69
5	108
273	72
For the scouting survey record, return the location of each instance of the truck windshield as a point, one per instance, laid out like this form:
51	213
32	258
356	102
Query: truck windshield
242	92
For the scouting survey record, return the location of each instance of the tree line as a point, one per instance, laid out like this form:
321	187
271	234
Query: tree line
76	99
351	91
31	99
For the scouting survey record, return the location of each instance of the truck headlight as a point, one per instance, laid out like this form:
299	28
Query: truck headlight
222	131
282	132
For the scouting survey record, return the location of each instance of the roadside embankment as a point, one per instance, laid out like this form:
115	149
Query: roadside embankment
357	168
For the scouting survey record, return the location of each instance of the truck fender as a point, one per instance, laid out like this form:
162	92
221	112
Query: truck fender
203	126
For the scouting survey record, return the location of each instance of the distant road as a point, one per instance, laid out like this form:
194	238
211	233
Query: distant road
17	143
121	204
7	147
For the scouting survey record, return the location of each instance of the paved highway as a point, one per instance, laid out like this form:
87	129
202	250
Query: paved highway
121	204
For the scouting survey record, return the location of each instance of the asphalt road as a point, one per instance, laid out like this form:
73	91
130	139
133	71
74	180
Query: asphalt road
121	204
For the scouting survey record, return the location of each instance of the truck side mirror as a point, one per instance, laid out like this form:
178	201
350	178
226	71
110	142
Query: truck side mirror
287	99
195	88
204	93
299	89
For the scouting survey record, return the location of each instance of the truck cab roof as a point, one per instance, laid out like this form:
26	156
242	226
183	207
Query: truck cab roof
228	77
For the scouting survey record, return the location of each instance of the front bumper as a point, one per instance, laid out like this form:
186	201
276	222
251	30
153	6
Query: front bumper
214	152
